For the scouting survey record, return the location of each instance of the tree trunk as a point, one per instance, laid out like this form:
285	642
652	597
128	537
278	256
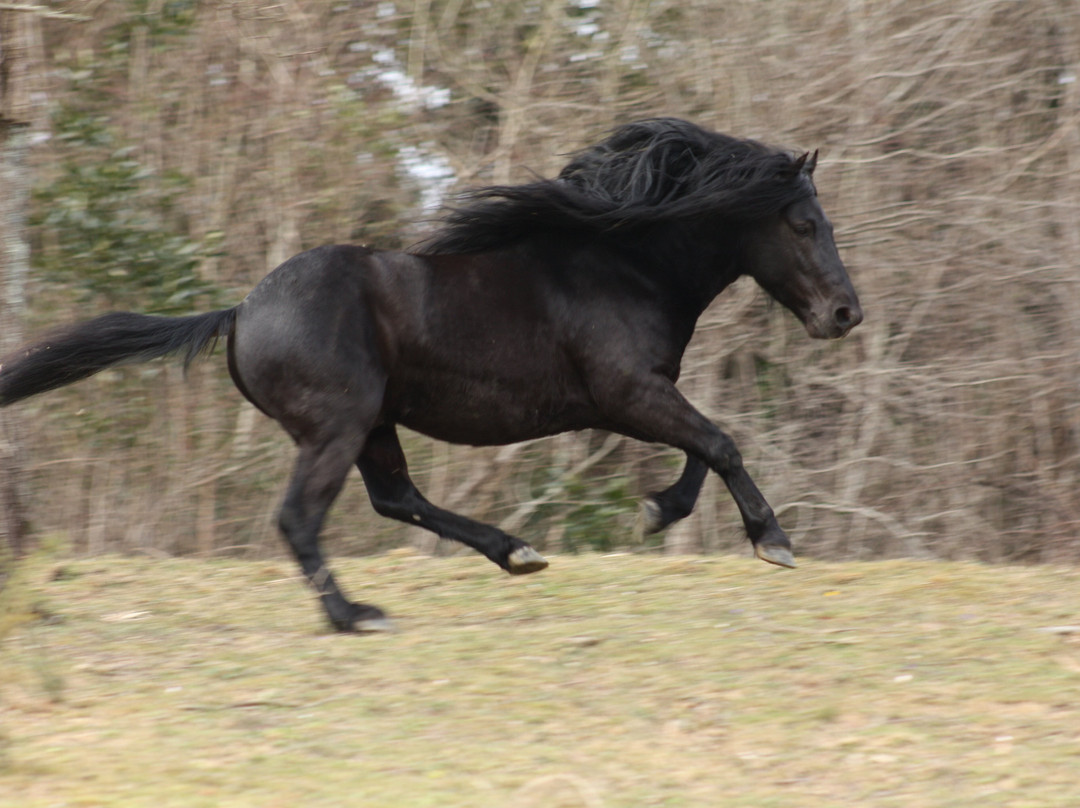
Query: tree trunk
15	258
16	116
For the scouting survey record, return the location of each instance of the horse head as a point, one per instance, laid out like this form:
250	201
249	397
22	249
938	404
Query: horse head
792	255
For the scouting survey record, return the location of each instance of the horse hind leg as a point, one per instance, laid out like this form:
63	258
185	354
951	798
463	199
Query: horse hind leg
319	474
393	494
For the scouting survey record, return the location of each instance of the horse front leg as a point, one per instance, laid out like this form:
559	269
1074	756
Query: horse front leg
657	411
661	508
393	494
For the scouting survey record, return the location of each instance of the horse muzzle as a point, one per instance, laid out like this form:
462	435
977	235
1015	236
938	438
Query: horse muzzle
835	321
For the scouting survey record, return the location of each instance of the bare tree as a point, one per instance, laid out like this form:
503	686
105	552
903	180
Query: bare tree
947	425
17	36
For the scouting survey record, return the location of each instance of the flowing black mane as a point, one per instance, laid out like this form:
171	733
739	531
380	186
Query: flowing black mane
657	170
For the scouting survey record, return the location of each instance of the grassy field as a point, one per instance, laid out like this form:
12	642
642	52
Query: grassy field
602	682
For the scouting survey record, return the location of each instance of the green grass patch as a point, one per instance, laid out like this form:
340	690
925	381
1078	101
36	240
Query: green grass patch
604	681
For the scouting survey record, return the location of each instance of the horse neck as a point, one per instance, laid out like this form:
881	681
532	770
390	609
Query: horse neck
682	269
691	263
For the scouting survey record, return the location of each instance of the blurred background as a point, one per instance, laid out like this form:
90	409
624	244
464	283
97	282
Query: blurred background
175	151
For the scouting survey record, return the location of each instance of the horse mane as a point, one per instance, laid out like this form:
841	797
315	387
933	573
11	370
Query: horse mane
648	172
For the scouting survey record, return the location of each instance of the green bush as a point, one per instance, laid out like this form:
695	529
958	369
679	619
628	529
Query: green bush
109	228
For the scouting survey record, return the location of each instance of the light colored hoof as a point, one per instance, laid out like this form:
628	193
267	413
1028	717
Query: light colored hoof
780	556
525	560
374	625
648	518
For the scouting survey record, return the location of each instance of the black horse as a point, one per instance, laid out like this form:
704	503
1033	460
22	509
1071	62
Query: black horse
556	305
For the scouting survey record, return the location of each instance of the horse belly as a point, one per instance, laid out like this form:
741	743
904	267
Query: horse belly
490	412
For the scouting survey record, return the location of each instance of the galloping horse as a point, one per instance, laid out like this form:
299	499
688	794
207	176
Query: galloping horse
556	305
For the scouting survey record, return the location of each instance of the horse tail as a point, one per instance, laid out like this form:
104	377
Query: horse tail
81	350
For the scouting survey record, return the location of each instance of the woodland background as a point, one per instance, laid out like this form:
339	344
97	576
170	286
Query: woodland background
179	150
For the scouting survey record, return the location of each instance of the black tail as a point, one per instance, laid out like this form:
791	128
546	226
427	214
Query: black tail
82	350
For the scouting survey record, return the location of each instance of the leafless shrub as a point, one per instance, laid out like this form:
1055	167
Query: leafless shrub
947	425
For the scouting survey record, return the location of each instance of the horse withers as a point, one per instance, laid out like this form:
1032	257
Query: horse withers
556	305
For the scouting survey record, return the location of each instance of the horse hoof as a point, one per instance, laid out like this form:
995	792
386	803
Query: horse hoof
363	619
525	560
374	625
774	554
650	519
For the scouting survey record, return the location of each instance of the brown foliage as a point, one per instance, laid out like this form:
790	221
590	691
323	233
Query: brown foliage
946	425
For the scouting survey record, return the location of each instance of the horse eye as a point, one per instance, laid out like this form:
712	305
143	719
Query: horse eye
804	228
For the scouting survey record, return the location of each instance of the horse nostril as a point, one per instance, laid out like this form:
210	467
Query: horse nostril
847	318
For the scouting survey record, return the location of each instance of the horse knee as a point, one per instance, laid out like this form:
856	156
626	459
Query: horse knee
725	457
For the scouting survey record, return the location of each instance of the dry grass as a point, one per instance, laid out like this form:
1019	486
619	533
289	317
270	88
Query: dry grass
608	681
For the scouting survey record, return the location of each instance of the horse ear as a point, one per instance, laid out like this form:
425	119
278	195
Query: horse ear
810	164
800	161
